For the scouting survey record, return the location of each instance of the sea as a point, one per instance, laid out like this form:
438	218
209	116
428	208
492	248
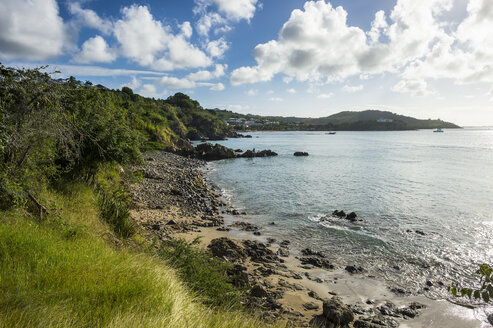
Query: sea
425	199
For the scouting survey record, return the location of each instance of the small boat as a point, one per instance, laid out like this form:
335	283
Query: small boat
331	132
438	130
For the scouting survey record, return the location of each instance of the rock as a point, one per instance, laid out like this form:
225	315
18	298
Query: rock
245	226
352	269
239	275
351	216
412	310
340	214
298	287
258	291
310	252
271	240
490	318
310	306
429	283
171	222
156	227
419	232
272	223
238	151
253	153
210	152
282	252
375	322
227	249
319	263
257	233
259	252
337	312
300	153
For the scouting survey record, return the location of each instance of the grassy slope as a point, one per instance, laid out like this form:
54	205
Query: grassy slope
65	273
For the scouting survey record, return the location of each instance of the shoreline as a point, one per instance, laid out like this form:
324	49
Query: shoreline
176	200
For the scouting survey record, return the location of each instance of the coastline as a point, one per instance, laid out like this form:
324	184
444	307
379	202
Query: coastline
176	200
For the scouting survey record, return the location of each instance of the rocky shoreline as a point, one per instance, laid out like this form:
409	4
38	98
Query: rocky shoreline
174	200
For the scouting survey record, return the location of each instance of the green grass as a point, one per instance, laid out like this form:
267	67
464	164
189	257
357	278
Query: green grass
67	272
204	274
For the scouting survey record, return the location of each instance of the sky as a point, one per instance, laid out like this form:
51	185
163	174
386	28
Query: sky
422	58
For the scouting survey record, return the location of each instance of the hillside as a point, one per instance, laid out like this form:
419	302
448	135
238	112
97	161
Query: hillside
374	120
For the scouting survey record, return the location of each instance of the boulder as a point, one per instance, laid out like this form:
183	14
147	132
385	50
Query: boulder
351	216
337	312
490	318
340	214
259	252
258	291
300	153
209	152
352	269
310	306
227	249
310	252
262	153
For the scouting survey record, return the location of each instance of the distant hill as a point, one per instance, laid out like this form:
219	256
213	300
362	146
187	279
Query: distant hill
368	120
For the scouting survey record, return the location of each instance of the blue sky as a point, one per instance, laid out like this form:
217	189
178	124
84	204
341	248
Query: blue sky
424	58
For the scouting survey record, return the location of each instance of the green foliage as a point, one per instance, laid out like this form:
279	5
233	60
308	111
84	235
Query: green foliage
484	292
204	274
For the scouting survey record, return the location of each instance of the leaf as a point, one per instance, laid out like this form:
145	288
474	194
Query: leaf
486	296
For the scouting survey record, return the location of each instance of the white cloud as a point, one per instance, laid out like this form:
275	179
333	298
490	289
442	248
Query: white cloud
95	50
276	99
217	48
207	21
325	95
133	84
213	86
316	44
148	90
414	87
186	29
90	18
252	92
352	88
237	9
149	43
176	83
208	75
292	91
32	30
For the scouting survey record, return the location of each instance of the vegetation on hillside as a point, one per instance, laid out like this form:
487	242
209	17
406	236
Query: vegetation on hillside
69	254
368	120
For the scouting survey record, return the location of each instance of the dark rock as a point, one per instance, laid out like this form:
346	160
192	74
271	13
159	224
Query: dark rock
352	269
310	306
238	151
412	310
211	152
490	318
259	252
300	153
429	283
171	222
340	214
239	275
258	291
375	322
223	229
317	262
351	216
156	227
285	243
310	252
253	153
272	223
257	233
227	249
419	232
337	312
271	240
399	291
245	226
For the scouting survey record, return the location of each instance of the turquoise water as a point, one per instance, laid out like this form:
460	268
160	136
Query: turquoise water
439	183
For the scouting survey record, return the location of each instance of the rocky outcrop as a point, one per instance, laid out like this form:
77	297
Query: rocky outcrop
227	249
337	313
262	153
300	153
317	262
209	152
